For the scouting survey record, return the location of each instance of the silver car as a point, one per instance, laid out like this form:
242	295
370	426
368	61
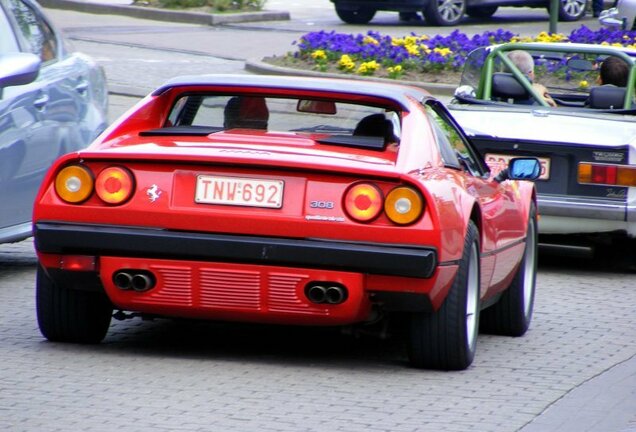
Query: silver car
586	144
52	101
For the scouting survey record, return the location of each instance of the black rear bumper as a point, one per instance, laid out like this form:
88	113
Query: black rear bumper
105	240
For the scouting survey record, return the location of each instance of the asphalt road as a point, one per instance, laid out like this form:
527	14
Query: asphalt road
573	371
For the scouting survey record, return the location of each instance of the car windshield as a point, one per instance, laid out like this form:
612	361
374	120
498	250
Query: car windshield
327	121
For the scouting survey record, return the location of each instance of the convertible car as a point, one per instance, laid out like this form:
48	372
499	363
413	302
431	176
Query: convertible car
586	144
292	201
52	101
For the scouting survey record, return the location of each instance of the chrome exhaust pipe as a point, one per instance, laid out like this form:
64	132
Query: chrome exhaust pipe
123	280
142	282
335	295
316	293
329	292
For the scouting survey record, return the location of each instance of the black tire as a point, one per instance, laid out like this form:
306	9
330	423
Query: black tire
571	10
447	339
444	12
69	315
512	314
481	12
355	16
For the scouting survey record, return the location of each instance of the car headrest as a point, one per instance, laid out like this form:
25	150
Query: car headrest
607	97
506	86
376	125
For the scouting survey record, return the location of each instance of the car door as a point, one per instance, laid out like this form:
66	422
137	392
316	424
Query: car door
501	225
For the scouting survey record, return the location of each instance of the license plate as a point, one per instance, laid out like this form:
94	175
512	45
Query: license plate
498	162
239	191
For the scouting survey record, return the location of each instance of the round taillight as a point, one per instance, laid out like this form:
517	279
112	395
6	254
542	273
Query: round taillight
114	185
363	202
74	184
403	205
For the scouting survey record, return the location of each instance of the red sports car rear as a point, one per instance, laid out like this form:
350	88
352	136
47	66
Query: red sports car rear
290	201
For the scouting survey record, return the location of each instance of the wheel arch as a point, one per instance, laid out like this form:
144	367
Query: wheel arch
476	217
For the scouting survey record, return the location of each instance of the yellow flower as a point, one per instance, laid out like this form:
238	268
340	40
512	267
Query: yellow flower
369	40
554	37
412	50
558	37
346	63
367	68
410	40
443	51
319	55
394	71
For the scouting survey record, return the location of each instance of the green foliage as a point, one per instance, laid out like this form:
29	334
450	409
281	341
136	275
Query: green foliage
215	5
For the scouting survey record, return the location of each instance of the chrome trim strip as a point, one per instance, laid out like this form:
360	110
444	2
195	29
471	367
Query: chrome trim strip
590	208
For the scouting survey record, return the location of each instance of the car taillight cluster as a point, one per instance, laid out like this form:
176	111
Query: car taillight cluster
364	202
607	174
76	183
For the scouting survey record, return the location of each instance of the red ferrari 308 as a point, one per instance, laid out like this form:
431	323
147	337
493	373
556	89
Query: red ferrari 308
294	201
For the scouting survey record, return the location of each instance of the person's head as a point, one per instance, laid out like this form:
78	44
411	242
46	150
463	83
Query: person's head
247	112
614	71
523	61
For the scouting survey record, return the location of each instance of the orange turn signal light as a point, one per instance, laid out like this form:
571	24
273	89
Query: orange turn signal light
363	202
74	184
403	205
114	185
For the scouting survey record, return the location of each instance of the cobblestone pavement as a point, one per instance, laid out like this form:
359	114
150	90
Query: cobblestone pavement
168	375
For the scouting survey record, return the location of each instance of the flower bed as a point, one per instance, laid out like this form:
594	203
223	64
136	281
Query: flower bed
418	57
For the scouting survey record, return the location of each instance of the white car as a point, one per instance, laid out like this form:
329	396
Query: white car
586	144
622	16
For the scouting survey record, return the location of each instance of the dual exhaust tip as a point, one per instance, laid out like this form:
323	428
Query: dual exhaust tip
326	293
136	280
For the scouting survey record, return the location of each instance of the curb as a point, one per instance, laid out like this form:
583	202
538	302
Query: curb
262	68
165	15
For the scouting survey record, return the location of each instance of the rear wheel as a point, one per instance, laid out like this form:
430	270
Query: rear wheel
512	314
481	12
444	12
360	15
571	10
70	315
447	339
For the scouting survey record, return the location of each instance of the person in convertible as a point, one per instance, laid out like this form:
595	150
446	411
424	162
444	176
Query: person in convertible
613	71
525	63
